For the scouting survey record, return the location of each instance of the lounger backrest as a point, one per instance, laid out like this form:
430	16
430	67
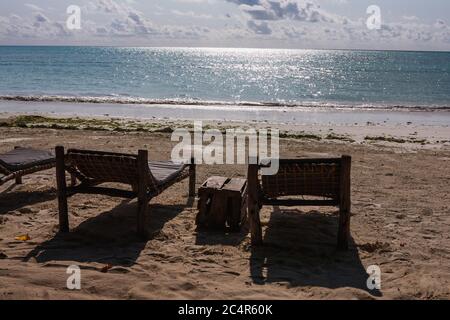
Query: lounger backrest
106	167
304	177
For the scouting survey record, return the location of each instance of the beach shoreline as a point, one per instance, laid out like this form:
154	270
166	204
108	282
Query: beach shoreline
237	113
411	135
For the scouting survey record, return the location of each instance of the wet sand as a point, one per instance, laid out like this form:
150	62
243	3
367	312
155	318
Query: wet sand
308	115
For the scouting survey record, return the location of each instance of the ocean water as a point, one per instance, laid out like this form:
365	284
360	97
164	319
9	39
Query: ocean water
226	76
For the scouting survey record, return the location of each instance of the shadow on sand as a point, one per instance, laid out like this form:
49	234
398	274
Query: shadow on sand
212	238
11	201
300	249
108	238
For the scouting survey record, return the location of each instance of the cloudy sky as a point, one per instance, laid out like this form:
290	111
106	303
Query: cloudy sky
340	24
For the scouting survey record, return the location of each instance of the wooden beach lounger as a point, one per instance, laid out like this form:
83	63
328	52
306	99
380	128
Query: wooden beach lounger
326	182
23	161
92	168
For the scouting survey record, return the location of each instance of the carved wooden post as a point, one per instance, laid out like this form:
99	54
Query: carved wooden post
142	163
73	180
18	178
62	189
344	203
253	205
192	174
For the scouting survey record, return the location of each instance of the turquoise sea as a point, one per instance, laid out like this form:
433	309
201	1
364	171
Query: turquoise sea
244	77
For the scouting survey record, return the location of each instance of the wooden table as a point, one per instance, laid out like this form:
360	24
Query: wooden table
222	204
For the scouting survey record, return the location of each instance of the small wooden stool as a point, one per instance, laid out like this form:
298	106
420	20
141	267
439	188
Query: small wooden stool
222	204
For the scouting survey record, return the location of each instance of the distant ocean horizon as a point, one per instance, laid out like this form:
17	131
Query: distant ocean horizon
226	76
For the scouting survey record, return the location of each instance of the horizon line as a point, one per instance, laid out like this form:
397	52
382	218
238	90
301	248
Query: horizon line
222	47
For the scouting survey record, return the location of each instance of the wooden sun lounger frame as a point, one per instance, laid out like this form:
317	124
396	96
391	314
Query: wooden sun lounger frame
140	187
341	197
18	174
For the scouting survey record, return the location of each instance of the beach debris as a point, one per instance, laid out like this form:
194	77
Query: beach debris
24	237
400	216
333	136
106	268
117	125
395	139
385	138
164	130
300	135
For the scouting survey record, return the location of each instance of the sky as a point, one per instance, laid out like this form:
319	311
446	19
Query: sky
306	24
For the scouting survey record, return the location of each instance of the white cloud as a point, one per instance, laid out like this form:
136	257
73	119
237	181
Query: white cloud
259	28
33	7
285	23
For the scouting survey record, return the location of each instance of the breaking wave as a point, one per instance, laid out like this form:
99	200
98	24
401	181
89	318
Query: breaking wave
195	102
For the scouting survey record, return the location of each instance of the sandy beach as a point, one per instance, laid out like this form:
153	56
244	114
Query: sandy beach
400	221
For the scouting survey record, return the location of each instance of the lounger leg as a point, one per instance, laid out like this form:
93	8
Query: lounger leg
344	229
62	190
18	178
73	180
143	199
142	216
192	174
253	205
345	204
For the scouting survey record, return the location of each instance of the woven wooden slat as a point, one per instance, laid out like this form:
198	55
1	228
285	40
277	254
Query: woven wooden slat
308	179
20	173
96	168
